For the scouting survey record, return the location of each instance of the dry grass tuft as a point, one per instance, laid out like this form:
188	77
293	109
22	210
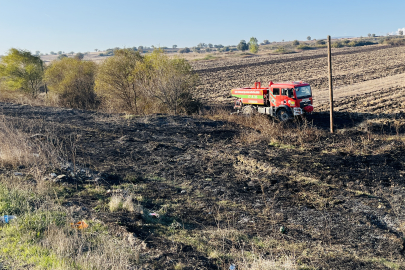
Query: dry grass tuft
43	99
19	149
258	127
116	203
82	249
286	263
128	204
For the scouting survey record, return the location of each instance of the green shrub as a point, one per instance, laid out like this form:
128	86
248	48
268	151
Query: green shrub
20	70
185	50
253	45
337	44
62	56
357	43
304	47
166	81
116	81
394	42
320	42
73	80
281	50
79	56
188	104
145	84
296	43
243	46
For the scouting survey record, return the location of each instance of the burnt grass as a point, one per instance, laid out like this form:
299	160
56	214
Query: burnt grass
340	197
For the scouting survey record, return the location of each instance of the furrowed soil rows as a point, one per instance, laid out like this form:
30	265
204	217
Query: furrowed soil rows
350	66
386	101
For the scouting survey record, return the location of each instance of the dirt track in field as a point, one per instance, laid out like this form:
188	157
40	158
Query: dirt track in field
321	96
350	66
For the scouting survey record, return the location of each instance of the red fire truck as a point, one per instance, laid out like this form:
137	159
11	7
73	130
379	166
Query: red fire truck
282	100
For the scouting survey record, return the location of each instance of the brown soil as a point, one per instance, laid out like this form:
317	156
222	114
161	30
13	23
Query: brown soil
350	66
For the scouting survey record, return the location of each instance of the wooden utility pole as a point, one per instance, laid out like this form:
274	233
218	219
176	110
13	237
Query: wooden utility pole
330	84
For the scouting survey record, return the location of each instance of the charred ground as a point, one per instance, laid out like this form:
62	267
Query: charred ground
222	186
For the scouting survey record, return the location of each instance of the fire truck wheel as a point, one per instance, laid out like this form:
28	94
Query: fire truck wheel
283	115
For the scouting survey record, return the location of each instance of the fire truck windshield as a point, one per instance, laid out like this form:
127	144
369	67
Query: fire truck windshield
303	92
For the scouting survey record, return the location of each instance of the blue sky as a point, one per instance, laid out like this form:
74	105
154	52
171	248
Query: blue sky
81	26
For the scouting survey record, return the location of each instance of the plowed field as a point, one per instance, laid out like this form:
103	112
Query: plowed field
350	66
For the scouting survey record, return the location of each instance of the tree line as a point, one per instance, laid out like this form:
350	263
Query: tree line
126	81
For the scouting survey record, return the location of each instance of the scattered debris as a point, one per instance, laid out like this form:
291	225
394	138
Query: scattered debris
282	229
59	178
38	136
18	174
79	225
53	175
183	191
232	267
36	155
7	218
156	215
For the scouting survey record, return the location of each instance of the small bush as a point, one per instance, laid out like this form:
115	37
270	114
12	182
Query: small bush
20	70
304	47
188	104
62	56
320	42
185	50
337	44
243	46
73	80
358	43
253	45
79	56
296	43
281	50
225	49
394	42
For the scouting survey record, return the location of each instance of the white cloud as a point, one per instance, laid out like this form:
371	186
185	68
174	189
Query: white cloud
403	30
